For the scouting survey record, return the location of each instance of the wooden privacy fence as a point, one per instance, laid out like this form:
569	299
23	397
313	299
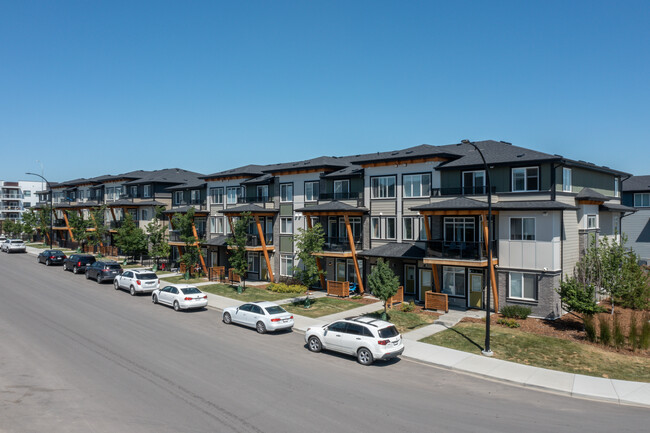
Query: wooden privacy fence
436	301
217	273
338	288
397	298
232	276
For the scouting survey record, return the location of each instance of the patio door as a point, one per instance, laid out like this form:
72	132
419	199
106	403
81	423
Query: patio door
426	282
475	299
409	279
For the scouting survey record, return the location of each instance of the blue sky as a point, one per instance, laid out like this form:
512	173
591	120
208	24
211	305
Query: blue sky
96	87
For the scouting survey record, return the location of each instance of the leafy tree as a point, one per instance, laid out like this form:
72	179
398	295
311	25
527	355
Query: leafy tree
238	259
156	230
637	284
44	220
98	225
78	226
308	242
12	228
579	298
383	283
30	223
183	223
130	238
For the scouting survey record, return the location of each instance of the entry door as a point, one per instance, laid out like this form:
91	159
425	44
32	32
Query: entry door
264	271
475	290
409	279
426	283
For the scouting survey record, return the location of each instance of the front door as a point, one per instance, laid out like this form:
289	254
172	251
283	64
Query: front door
425	282
409	279
475	289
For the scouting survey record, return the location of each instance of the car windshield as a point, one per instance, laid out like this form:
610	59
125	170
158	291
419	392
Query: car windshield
190	291
147	276
275	310
115	266
388	332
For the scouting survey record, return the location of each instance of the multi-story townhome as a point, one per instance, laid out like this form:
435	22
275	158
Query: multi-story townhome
636	193
17	197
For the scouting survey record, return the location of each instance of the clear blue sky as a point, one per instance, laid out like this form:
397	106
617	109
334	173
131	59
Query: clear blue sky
96	87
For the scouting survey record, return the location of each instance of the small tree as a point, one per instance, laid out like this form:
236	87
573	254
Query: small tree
577	297
12	228
130	238
184	223
383	283
308	242
30	223
158	245
97	223
44	220
78	226
238	259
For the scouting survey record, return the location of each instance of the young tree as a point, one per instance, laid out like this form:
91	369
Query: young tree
383	283
130	238
579	298
308	242
30	223
12	228
79	227
44	220
158	246
238	259
183	223
98	226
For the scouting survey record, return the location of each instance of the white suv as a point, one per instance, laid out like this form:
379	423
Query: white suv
13	246
136	281
366	338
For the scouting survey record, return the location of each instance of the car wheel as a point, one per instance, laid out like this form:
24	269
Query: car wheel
75	270
47	262
87	276
177	306
260	327
314	344
227	319
364	356
99	279
132	291
116	285
154	299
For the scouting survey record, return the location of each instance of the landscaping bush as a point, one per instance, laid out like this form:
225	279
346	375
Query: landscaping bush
619	336
286	288
590	328
407	307
644	340
633	335
605	331
510	323
515	311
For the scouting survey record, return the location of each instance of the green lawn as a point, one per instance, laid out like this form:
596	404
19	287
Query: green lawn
405	322
321	307
546	352
249	295
41	246
179	279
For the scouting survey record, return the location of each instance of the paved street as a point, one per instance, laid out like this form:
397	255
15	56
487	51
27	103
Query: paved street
76	356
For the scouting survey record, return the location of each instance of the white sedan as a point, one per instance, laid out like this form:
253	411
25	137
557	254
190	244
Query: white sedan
136	281
263	316
180	296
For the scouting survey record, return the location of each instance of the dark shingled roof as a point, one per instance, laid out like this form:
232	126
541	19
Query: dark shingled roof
167	175
218	241
615	207
636	184
590	194
395	250
462	203
495	153
320	162
265	178
252	208
333	206
533	205
184	209
423	150
246	170
351	170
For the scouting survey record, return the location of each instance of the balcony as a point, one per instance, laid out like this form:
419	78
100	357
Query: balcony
254	240
459	250
12	196
58	223
340	196
341	243
468	190
197	204
113	225
174	236
254	199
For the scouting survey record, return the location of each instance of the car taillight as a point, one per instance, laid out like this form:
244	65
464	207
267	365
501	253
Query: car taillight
188	299
383	342
139	283
205	297
78	263
51	257
158	281
275	320
291	317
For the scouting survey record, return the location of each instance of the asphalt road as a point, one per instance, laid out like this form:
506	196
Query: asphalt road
76	356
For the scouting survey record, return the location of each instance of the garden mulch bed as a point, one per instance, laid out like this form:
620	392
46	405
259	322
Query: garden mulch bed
570	327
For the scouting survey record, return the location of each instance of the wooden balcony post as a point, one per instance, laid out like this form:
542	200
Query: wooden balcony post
493	279
353	251
198	246
264	250
67	225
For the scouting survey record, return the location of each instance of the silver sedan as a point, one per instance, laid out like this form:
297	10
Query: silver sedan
263	316
180	296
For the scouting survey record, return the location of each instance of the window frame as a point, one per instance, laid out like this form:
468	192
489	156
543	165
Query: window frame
342	195
284	261
473	186
309	186
523	225
377	186
218	198
523	287
146	191
375	227
288	186
455	270
264	195
283	225
424	192
237	190
567	179
526	177
176	195
412	224
641	196
591	218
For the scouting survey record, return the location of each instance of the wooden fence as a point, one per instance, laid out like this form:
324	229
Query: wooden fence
397	298
436	301
338	288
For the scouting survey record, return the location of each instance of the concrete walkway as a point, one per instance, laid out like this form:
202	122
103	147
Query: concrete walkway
444	322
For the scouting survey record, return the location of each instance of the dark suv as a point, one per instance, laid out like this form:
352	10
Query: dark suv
77	263
103	270
51	257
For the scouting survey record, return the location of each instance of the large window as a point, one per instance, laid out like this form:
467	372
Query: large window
233	193
286	225
216	224
525	179
263	193
453	281
474	182
522	229
523	286
408	228
642	200
390	227
286	192
566	179
311	191
383	187
341	189
417	185
178	197
134	191
253	262
375	227
195	195
591	221
459	229
216	195
286	265
381	227
147	191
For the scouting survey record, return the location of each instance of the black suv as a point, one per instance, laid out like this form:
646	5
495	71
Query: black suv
77	263
103	270
51	257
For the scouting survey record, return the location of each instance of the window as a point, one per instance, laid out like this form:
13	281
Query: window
566	179
286	192
390	227
253	262
286	265
178	197
525	179
591	221
474	182
423	228
195	195
147	191
459	229
522	229
381	227
616	190
263	193
453	281
417	185
233	193
523	286
27	193
382	187
216	195
145	214
408	229
286	225
375	228
341	189
642	200
134	191
311	191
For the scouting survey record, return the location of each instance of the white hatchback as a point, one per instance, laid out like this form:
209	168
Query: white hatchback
364	337
180	296
136	281
263	316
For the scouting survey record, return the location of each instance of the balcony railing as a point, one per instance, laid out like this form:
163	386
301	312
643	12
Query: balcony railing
341	243
59	223
175	236
12	196
115	224
468	190
255	199
254	240
198	204
340	195
459	250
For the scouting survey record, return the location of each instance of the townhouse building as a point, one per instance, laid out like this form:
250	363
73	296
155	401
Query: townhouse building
636	194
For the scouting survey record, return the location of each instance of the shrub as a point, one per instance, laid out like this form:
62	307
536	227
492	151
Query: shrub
644	340
590	328
407	307
515	311
605	331
286	288
510	323
619	336
633	335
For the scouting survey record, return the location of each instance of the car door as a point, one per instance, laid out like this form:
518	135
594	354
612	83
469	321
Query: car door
125	279
242	314
164	295
255	315
334	336
353	337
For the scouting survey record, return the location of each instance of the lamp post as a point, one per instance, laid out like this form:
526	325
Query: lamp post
51	207
486	351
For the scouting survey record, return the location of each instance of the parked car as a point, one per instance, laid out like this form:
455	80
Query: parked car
51	257
263	316
180	296
14	246
136	281
364	337
77	263
103	270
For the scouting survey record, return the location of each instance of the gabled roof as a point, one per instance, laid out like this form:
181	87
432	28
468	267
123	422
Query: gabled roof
395	250
421	151
332	206
252	208
263	179
130	175
495	153
167	175
323	162
590	194
615	207
636	184
252	170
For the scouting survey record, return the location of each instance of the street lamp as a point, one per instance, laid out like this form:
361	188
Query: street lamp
51	207
486	351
